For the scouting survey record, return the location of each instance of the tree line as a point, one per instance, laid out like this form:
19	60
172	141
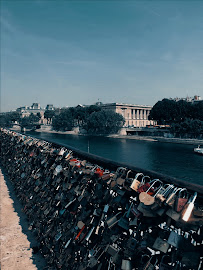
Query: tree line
9	119
91	119
183	117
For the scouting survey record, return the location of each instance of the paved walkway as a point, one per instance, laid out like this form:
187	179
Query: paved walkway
15	252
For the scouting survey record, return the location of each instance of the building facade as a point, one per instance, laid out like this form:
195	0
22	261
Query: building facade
35	108
134	115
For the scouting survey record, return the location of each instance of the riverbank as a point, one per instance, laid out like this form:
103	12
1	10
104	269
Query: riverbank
158	139
128	137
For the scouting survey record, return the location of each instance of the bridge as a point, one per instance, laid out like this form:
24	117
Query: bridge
32	126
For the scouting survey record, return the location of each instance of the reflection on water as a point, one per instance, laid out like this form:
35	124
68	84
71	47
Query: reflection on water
176	160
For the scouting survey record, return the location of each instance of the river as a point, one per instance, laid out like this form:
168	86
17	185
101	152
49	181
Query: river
177	160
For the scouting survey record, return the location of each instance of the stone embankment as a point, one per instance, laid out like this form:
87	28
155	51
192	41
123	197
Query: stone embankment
48	129
85	216
159	139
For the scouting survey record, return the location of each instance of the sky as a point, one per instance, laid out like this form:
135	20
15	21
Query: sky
70	52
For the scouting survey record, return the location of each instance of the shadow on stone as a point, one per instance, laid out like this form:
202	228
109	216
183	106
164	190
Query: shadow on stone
37	257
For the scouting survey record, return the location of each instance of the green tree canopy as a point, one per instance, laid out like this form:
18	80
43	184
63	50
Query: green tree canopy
92	119
39	116
81	114
73	116
49	114
5	121
14	116
164	111
8	119
30	121
64	121
198	110
169	111
189	126
104	122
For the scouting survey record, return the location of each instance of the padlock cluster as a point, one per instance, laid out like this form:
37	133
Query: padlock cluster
87	217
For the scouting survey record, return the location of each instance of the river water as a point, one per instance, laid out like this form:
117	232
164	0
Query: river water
177	160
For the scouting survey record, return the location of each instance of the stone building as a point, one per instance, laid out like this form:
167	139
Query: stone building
34	108
135	115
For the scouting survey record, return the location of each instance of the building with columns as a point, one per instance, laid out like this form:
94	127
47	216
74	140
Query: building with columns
135	115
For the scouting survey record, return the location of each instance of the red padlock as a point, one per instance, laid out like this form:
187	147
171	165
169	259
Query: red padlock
99	172
76	161
149	187
181	202
144	185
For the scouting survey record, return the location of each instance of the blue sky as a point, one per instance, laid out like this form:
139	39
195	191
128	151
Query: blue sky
76	52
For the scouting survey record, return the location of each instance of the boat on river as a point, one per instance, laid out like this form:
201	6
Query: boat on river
198	150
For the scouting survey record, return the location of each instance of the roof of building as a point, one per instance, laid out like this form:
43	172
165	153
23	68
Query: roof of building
125	104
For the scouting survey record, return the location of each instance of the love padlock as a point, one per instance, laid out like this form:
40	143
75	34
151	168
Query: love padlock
172	197
181	201
136	182
145	197
160	198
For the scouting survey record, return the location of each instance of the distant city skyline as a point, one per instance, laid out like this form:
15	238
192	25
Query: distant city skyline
78	52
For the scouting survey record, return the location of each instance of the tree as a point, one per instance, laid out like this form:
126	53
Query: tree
81	114
5	121
164	111
168	111
26	122
198	111
64	121
104	122
39	116
31	121
49	114
33	118
189	126
14	116
8	119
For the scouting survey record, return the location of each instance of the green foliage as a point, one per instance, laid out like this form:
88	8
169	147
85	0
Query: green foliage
190	126
39	116
25	122
104	122
168	111
92	119
49	114
8	119
5	121
184	117
73	116
29	121
64	121
14	116
164	111
198	111
81	114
